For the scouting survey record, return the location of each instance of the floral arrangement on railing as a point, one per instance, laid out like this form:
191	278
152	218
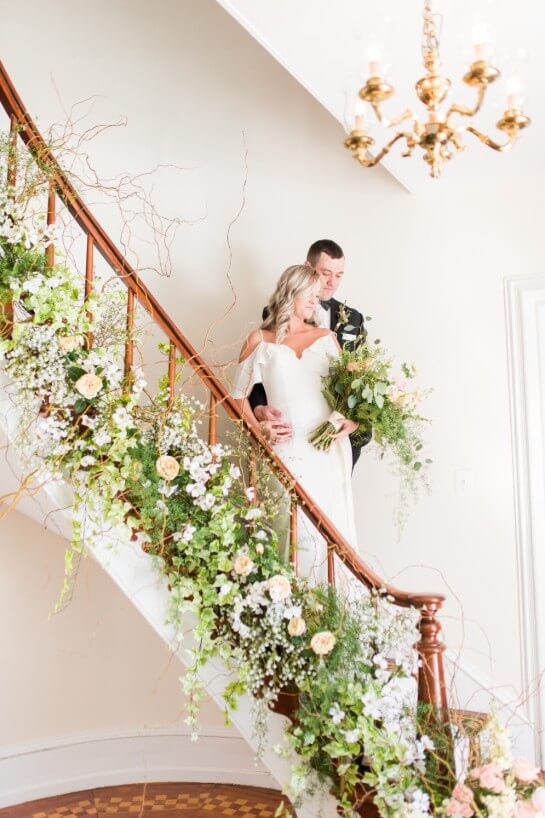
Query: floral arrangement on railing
136	462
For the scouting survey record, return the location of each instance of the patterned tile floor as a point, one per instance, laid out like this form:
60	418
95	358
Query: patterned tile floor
161	800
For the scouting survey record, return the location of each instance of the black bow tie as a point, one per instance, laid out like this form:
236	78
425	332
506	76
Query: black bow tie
325	304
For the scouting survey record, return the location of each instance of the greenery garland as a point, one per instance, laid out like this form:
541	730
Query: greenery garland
140	463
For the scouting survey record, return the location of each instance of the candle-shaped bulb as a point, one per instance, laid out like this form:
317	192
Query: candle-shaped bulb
513	87
374	55
359	118
481	40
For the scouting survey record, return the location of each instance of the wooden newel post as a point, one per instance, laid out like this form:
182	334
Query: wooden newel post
431	673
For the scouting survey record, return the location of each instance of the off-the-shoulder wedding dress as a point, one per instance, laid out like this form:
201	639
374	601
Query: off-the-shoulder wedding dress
293	384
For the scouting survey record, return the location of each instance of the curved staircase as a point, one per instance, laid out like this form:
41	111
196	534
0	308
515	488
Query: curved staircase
128	565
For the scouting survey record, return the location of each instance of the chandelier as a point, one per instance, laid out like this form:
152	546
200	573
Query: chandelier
439	136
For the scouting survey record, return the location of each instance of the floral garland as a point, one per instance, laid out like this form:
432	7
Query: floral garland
142	464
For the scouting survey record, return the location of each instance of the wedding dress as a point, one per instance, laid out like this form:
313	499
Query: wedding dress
293	384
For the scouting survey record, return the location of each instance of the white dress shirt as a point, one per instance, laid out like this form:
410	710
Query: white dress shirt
324	317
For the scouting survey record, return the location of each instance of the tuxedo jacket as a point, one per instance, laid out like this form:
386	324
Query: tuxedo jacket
348	325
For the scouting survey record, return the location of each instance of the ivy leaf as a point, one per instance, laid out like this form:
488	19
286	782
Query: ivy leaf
356	384
348	327
380	388
352	400
75	372
80	406
379	400
417	466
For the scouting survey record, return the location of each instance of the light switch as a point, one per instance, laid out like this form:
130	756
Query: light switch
465	482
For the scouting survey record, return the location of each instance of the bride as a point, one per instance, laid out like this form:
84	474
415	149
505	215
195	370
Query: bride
289	355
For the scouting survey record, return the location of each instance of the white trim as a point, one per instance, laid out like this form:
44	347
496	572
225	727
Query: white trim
96	759
523	296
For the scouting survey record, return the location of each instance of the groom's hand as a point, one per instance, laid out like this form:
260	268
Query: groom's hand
263	413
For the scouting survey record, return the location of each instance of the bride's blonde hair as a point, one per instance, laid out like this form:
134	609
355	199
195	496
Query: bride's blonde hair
296	280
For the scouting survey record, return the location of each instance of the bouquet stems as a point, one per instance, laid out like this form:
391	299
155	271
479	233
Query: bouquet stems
322	437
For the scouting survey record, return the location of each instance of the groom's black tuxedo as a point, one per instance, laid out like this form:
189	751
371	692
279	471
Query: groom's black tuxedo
348	325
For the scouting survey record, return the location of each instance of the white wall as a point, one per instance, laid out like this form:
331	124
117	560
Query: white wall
94	666
429	269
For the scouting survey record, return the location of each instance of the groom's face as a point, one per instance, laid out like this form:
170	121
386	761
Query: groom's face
331	274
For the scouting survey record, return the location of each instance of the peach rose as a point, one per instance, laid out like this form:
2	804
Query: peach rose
322	643
68	343
525	771
243	565
89	385
297	626
279	588
167	467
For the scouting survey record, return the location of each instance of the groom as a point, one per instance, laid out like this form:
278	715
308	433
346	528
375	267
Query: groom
327	258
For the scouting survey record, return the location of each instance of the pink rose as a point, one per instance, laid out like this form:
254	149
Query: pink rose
462	793
456	808
525	771
538	799
352	366
525	809
490	777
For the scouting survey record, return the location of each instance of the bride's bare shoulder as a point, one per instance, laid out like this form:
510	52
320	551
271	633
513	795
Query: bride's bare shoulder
253	340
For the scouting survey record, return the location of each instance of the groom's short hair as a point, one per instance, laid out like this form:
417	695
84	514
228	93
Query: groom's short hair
327	246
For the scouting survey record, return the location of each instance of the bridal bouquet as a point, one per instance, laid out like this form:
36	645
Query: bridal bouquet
360	386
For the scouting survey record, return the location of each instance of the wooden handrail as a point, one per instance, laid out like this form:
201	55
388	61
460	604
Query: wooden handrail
431	681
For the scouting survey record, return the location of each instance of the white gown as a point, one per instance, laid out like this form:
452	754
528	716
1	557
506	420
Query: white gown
294	386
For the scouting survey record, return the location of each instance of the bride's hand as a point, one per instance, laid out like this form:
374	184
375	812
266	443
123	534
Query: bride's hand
347	428
276	431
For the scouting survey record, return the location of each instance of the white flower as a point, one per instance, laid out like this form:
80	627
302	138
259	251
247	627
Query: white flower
294	610
234	472
121	418
351	736
279	588
101	438
259	549
420	801
88	421
253	514
89	385
196	489
225	588
261	535
188	533
167	467
243	565
337	715
207	502
297	626
88	460
322	643
34	284
250	493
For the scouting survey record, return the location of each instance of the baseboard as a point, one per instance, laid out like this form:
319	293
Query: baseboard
39	770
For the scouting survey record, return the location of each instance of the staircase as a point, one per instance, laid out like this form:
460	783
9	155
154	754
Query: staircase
128	565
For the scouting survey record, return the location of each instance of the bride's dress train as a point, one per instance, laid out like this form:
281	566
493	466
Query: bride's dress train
294	385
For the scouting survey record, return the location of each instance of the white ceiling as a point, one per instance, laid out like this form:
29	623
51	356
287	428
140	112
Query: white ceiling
323	43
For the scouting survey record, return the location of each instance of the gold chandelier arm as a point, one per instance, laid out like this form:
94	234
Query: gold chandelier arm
490	142
391	123
369	163
459	109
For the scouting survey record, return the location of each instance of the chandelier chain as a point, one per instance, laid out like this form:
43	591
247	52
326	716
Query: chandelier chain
430	40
